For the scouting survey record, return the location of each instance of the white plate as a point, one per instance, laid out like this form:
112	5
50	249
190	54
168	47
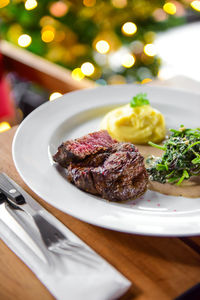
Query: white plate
79	113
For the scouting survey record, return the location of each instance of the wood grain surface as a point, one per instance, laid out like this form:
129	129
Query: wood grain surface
159	268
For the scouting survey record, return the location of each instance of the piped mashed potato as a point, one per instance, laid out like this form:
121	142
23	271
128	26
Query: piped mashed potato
137	125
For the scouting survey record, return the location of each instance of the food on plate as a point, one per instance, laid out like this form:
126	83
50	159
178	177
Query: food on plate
136	122
79	149
181	158
177	171
102	166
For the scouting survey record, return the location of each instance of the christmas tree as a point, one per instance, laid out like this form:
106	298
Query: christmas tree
108	41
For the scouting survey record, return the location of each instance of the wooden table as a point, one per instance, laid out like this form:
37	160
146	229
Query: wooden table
159	268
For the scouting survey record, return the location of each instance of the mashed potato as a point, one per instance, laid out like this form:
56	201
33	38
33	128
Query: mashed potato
137	125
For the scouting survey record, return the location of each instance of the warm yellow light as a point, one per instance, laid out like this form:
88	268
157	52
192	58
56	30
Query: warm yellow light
30	4
48	33
46	20
129	28
146	80
24	40
102	47
4	126
87	68
195	5
54	96
89	3
48	36
77	74
150	50
128	60
169	8
3	3
119	3
58	9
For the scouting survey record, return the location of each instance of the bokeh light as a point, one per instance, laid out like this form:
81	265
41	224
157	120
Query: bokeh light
54	96
48	33
89	3
195	5
98	39
14	33
87	68
60	36
119	3
150	49
169	8
4	3
149	37
159	15
102	46
77	74
48	36
143	73
128	60
30	4
24	40
101	81
46	20
129	28
117	79
137	47
146	80
4	126
58	9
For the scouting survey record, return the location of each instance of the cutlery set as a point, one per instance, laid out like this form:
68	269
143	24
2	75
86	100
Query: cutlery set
63	263
54	240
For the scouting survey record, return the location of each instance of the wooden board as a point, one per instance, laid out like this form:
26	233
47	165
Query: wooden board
39	70
159	268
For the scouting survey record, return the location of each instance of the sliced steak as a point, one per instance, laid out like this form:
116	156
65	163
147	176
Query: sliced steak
78	149
116	171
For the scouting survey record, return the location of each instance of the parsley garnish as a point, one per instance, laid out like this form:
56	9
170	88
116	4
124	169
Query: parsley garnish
181	158
139	100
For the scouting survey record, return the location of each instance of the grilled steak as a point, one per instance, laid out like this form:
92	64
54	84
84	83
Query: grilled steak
78	149
99	165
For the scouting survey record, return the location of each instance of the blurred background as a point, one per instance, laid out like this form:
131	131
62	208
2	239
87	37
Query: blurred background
48	48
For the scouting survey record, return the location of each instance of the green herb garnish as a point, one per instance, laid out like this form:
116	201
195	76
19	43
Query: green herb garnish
181	158
139	100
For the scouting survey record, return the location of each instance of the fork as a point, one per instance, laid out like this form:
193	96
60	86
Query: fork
56	241
53	238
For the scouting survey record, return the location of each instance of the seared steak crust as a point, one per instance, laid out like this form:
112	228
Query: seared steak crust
78	149
113	170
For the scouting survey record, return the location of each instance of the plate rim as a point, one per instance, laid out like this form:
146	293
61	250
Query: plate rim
41	108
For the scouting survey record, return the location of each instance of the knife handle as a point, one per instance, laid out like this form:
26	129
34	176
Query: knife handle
8	189
2	198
